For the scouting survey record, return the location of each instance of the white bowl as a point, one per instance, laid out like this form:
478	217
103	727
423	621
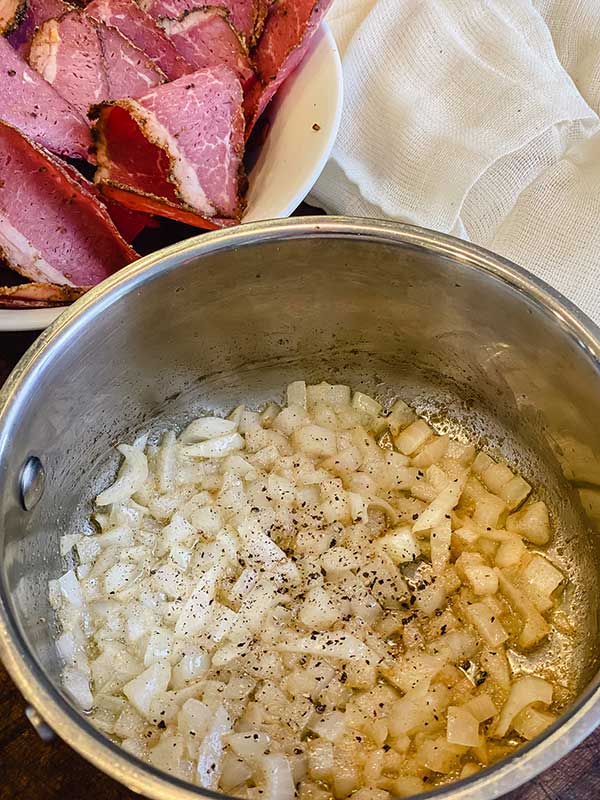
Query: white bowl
304	120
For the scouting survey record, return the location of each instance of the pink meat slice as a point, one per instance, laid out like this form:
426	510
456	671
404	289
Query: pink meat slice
205	38
143	32
34	107
182	143
39	295
284	42
52	230
247	16
38	11
129	71
129	223
89	62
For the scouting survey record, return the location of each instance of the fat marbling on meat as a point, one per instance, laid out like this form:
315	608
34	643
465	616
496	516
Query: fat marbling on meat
39	295
177	150
143	32
38	11
33	106
52	230
89	62
247	16
205	38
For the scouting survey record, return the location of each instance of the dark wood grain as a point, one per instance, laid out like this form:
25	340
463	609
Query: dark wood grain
34	770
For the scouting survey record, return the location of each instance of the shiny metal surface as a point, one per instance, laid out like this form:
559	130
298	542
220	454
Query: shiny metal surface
33	480
473	342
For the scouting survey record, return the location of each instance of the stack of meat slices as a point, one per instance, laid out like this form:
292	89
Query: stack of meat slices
153	99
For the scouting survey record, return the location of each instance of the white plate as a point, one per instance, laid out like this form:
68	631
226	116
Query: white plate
305	117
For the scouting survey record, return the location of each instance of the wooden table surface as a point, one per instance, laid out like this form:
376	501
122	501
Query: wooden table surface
33	770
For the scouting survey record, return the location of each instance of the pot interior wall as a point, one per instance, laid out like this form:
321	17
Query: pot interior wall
472	353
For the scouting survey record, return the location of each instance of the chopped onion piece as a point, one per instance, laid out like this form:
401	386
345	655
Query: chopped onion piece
481	707
132	476
413	437
400	545
440	539
314	440
219	447
141	690
462	727
318	611
535	627
482	578
489	626
530	722
339	560
335	645
210	756
443	504
195	614
365	404
524	692
296	394
77	686
320	760
542	579
335	396
70	588
532	522
207	428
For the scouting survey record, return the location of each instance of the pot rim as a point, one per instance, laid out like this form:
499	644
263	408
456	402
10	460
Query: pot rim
492	782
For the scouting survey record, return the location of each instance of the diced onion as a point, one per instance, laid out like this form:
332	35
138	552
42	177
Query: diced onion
312	601
132	476
524	692
462	727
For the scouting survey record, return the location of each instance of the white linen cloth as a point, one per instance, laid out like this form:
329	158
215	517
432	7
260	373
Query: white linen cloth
479	118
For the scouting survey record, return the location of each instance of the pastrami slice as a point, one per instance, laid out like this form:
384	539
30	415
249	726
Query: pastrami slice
38	11
285	40
88	62
182	141
39	295
205	38
51	229
129	223
35	108
128	69
137	26
247	16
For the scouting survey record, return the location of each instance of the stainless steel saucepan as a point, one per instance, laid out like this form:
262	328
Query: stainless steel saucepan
479	346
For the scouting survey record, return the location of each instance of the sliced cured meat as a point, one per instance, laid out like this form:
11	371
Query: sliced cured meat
39	295
33	106
129	71
285	39
143	32
128	222
145	203
12	13
205	38
38	11
179	146
89	62
51	229
247	16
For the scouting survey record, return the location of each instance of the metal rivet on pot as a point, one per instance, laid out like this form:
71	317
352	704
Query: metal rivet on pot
45	733
31	486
